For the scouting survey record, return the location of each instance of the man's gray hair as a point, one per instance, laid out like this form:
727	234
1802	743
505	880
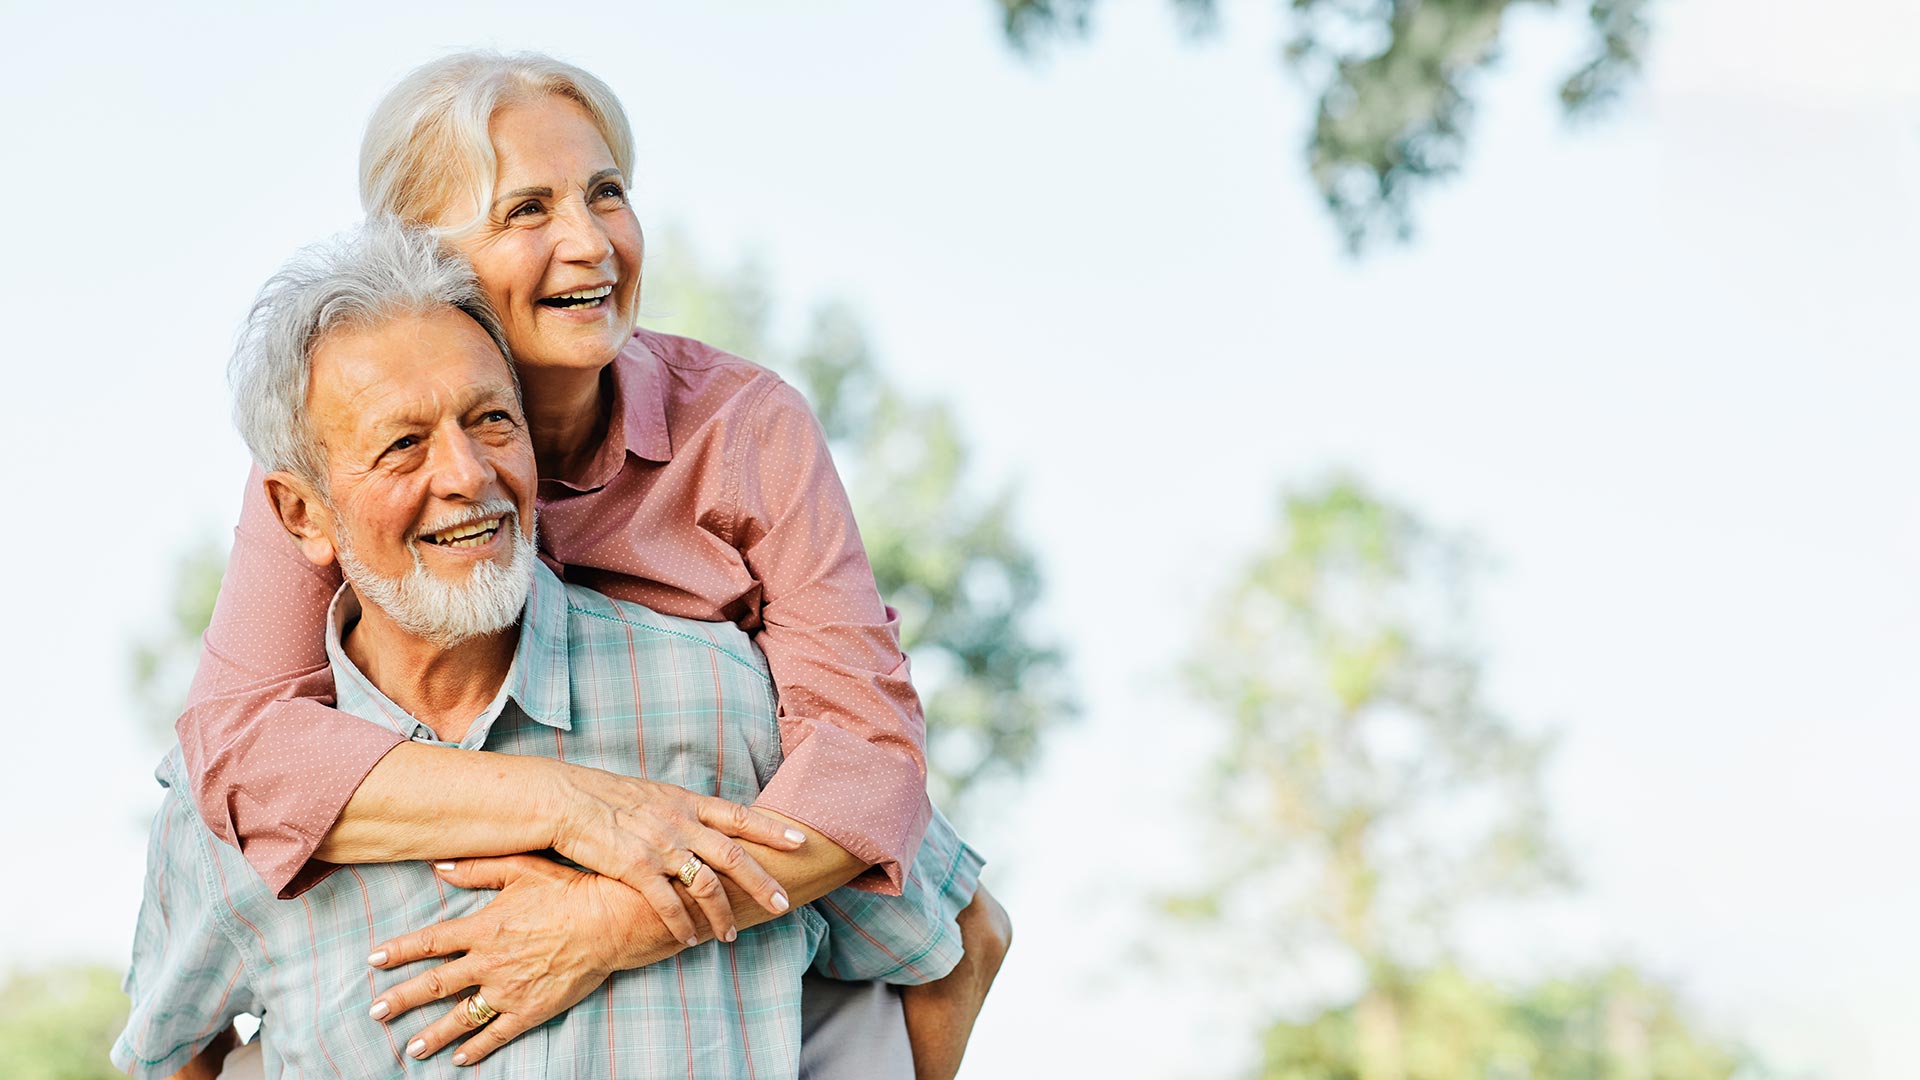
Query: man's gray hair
382	271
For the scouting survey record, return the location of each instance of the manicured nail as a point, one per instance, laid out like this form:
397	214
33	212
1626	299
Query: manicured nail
692	941
377	958
379	1010
732	934
417	1048
796	836
460	1059
779	901
443	867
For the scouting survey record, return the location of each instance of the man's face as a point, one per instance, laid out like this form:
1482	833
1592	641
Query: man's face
430	471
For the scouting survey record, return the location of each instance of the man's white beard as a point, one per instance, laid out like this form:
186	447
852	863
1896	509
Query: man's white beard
448	613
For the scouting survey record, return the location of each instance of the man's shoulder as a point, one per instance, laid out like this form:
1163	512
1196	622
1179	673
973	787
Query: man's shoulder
596	620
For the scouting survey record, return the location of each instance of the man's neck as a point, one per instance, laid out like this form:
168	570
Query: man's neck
445	688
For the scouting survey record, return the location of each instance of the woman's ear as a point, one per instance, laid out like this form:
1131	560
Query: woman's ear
305	514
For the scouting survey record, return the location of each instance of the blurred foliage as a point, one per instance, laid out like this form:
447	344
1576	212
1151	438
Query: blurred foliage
950	561
1613	1025
164	661
1370	797
1393	83
59	1024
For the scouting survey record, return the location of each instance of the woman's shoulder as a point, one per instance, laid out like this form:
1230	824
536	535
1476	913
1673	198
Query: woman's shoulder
696	383
689	357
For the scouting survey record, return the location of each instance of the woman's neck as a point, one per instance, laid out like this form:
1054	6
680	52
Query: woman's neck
567	415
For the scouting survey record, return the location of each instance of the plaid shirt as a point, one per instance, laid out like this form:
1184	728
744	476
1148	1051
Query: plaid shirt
596	682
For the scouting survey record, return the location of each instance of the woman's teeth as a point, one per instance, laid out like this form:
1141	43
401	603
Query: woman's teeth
579	298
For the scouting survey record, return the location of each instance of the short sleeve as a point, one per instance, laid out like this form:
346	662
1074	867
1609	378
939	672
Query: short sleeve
187	982
907	939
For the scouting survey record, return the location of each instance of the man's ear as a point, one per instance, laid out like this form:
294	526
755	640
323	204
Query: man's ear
304	513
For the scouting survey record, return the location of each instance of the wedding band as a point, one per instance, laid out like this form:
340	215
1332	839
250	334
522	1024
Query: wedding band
686	872
478	1011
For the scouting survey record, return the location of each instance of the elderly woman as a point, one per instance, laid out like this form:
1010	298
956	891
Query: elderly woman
672	475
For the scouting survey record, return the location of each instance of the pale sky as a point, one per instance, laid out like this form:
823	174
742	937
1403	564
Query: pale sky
1662	365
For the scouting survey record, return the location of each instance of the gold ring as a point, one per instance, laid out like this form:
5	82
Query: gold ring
686	872
478	1011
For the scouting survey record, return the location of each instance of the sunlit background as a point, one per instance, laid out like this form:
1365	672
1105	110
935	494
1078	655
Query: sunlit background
1654	362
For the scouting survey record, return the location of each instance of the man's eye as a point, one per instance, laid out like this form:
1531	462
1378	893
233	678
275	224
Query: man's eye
404	442
498	416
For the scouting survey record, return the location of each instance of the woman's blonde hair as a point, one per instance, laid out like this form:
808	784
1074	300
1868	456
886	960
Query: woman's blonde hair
427	145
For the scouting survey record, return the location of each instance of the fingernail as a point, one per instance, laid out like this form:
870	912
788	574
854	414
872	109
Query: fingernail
379	1010
796	836
443	867
779	901
377	958
460	1059
417	1048
732	934
692	941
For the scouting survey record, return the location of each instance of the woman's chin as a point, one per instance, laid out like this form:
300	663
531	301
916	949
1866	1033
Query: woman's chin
578	350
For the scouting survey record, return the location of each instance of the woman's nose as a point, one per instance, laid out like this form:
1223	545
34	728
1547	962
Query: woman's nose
583	238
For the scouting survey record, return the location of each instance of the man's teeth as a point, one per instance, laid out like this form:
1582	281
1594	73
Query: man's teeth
579	297
469	535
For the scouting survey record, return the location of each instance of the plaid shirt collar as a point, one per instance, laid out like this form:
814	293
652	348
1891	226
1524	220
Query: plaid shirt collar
537	682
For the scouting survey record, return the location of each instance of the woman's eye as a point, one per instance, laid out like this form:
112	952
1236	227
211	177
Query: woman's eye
610	191
404	442
526	209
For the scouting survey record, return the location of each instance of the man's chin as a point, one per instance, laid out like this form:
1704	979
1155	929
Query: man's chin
448	605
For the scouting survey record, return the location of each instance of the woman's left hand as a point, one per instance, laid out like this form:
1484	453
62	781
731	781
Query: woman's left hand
550	937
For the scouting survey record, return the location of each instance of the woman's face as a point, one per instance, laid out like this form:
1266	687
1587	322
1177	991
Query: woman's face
559	248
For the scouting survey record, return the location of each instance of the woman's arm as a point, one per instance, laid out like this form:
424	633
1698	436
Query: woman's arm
433	802
270	762
850	721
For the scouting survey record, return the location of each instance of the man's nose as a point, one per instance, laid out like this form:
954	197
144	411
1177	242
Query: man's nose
461	468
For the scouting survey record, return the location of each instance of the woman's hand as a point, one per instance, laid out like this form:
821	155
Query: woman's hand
642	833
550	937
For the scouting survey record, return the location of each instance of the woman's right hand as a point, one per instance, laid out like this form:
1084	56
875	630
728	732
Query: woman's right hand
641	832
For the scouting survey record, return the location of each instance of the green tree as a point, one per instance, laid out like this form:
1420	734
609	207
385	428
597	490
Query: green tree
1393	84
58	1024
1372	797
951	561
1614	1024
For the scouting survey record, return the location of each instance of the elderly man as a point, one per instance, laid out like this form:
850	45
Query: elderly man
407	460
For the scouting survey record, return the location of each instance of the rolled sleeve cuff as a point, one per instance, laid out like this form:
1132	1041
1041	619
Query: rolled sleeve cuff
126	1057
870	800
912	938
281	827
